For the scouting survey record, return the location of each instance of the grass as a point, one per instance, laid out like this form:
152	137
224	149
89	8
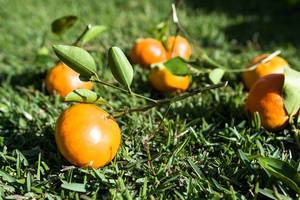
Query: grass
205	147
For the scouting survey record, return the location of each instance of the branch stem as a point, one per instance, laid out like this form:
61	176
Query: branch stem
123	90
79	38
169	100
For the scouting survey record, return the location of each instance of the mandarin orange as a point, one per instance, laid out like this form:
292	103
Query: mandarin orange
275	66
164	81
63	80
148	51
178	46
265	97
87	136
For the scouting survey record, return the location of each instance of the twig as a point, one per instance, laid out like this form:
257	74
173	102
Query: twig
168	101
251	68
82	34
123	90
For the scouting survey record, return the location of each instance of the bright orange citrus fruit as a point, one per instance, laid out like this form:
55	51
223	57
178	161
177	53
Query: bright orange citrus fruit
164	81
63	80
148	51
275	66
178	46
87	136
265	97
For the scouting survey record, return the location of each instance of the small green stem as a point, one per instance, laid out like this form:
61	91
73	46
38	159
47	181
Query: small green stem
192	93
81	35
123	90
296	135
143	97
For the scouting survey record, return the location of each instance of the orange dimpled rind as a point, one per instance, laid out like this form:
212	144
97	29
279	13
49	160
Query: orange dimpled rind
87	136
275	66
148	51
63	80
265	97
164	81
178	46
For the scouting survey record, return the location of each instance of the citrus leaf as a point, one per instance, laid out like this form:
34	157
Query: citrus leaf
85	96
7	177
120	66
93	32
216	75
177	66
60	25
76	58
77	187
282	171
291	90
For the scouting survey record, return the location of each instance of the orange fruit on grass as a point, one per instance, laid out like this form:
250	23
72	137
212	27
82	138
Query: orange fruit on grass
87	136
164	81
178	46
63	80
275	66
148	51
265	97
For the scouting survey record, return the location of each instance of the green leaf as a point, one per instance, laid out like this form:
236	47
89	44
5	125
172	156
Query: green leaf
76	58
60	25
92	33
246	161
282	171
216	75
196	168
271	194
7	177
77	187
177	66
160	31
85	96
120	66
43	51
291	90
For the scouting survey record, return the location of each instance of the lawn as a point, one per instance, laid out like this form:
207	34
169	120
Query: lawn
203	147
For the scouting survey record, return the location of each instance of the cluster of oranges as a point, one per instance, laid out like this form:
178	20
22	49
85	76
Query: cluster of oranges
149	51
265	97
86	135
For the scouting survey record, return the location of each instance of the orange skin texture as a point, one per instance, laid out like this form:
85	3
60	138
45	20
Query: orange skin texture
266	99
148	51
63	80
87	136
275	66
178	46
164	81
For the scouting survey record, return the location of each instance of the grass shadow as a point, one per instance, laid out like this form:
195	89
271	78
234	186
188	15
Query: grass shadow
267	21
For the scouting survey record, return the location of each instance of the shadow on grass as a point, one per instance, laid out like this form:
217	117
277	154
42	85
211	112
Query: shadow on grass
29	78
30	143
268	21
